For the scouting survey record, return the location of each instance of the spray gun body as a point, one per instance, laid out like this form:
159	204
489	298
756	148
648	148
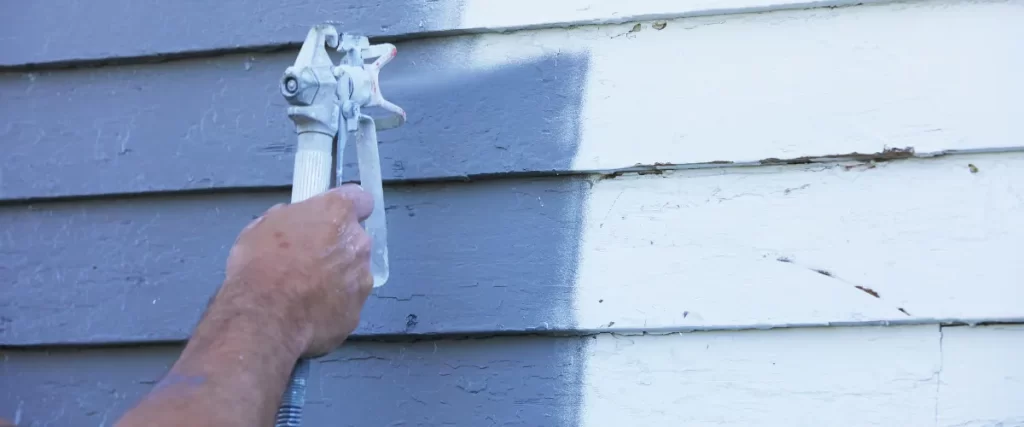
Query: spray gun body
326	103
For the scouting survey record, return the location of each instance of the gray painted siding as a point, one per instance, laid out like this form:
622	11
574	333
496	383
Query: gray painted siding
55	31
521	381
106	241
474	257
220	122
129	269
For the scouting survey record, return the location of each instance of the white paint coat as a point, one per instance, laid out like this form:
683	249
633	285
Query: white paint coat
936	75
705	248
747	247
982	377
797	377
496	15
864	376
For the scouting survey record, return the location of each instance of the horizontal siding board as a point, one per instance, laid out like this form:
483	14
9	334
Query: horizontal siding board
221	123
905	240
808	377
144	269
762	247
868	376
54	31
505	381
230	25
744	88
982	377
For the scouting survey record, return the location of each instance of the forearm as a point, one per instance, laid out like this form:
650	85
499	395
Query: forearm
297	279
232	372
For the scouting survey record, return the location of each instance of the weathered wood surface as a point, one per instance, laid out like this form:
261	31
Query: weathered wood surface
910	244
871	376
919	240
55	33
743	88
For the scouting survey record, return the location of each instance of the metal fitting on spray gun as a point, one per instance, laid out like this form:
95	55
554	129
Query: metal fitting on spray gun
325	103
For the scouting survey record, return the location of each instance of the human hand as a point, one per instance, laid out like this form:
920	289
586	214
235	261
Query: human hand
308	265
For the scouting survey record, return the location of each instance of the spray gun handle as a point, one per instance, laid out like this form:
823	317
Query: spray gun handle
309	87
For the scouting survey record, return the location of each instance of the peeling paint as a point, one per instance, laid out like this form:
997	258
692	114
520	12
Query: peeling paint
869	291
885	155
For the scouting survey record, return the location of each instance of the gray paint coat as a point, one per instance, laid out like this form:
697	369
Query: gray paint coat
483	257
513	381
106	240
219	123
53	32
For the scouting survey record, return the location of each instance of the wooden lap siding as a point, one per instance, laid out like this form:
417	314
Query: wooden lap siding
622	189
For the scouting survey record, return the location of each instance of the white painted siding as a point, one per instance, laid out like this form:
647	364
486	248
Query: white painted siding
906	241
798	377
869	376
933	75
503	15
743	247
982	377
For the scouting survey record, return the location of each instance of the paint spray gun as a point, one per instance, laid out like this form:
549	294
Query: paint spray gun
326	102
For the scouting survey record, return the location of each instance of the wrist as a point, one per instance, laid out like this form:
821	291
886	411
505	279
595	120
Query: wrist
245	310
235	366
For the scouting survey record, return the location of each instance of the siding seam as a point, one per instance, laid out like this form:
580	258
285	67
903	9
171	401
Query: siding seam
162	57
826	161
411	338
938	377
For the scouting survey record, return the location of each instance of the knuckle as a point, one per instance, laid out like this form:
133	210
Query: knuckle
338	208
364	243
253	224
366	281
337	200
273	211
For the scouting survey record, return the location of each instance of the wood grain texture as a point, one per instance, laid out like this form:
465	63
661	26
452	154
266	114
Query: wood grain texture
740	88
49	32
982	377
698	249
869	376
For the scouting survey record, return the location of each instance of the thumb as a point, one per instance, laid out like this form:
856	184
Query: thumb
362	200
